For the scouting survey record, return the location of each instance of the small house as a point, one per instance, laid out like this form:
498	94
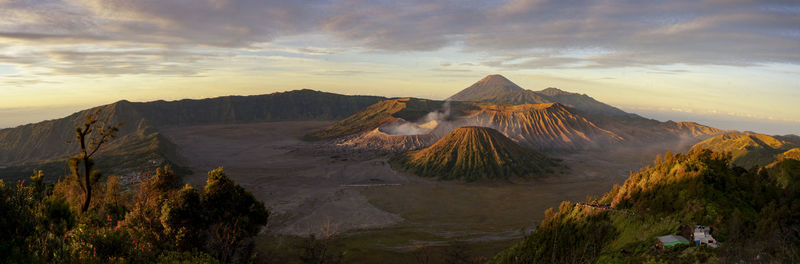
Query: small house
671	241
702	236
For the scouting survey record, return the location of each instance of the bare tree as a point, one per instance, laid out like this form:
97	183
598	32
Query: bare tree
318	249
91	136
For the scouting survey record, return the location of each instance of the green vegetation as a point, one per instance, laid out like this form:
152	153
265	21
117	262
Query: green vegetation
749	149
154	221
754	213
474	153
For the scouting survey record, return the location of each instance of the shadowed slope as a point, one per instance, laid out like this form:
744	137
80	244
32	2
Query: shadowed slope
138	140
473	153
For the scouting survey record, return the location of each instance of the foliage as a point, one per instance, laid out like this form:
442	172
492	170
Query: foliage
156	221
754	213
94	133
571	235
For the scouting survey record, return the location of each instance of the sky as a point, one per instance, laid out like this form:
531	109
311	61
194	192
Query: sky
730	64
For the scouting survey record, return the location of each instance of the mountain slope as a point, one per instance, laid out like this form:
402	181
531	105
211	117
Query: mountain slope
473	153
747	149
752	213
581	102
487	89
541	126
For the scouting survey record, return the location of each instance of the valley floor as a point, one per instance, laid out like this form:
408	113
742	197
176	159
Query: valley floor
375	211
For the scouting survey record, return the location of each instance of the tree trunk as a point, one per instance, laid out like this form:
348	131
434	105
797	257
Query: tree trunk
86	177
86	173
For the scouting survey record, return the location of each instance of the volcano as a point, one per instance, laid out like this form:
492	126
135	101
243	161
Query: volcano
474	153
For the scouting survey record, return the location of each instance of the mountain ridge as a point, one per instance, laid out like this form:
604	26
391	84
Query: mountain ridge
44	142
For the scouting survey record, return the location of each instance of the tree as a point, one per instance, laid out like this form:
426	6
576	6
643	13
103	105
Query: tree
233	213
91	136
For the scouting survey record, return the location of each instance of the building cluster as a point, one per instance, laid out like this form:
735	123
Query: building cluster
700	236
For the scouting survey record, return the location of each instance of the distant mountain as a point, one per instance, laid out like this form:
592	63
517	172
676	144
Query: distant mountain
138	143
690	129
487	89
284	106
549	126
541	126
581	102
474	153
498	89
749	149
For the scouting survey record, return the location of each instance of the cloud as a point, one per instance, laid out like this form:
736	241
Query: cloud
514	34
639	34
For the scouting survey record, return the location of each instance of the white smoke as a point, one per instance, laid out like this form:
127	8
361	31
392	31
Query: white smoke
424	125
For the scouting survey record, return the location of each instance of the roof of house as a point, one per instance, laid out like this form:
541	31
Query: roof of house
669	239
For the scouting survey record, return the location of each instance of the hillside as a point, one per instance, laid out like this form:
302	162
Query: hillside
751	212
138	143
474	153
747	149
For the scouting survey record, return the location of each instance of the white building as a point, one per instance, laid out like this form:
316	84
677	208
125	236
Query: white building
702	235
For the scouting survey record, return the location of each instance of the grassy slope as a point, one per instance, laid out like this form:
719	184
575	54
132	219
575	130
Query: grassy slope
747	149
747	210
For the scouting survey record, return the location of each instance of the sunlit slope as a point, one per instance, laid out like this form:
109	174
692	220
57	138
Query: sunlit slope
751	212
474	153
748	149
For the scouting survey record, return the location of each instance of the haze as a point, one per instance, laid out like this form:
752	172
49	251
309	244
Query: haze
728	65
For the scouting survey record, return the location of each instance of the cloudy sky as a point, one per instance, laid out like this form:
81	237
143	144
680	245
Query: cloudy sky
732	64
